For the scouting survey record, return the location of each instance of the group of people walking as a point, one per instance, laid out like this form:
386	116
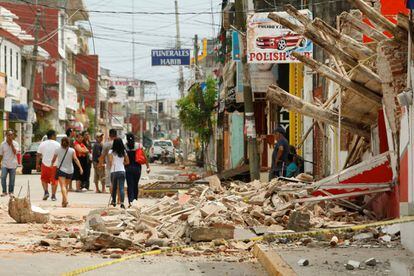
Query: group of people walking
72	160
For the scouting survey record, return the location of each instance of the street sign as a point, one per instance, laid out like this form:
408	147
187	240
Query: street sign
169	57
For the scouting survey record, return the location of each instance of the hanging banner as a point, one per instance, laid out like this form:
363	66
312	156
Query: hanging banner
270	42
239	83
168	57
235	51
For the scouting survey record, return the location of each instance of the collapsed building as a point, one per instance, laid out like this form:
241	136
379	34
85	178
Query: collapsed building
369	102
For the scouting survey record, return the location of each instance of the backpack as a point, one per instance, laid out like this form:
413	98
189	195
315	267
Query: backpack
140	157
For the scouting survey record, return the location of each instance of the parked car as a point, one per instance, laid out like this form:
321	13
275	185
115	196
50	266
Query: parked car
162	149
29	158
282	42
58	138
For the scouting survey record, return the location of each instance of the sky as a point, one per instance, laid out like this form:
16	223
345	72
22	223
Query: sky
151	32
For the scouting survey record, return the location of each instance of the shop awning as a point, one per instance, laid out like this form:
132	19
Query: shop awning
19	113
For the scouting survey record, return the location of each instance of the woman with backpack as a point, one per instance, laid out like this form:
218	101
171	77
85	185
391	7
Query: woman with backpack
66	157
137	158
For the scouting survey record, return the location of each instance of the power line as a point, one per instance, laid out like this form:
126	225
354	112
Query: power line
173	13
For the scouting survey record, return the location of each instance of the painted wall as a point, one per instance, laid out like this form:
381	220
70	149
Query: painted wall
236	138
88	65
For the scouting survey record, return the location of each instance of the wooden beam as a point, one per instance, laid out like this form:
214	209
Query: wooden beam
353	194
331	48
403	21
280	97
362	27
355	87
378	19
358	49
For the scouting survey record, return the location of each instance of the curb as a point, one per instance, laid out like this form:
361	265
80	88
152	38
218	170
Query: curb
272	262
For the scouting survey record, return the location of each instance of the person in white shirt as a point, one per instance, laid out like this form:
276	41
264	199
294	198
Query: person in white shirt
8	156
118	158
45	153
65	156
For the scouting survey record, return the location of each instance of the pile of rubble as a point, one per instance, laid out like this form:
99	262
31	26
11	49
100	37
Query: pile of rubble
211	214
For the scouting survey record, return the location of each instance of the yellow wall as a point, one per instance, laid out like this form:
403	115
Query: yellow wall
295	119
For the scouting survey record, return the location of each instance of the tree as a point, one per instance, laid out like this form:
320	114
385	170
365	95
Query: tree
196	108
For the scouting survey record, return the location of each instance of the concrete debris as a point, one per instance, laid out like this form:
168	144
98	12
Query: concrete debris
392	230
299	221
371	262
334	241
22	211
239	212
363	236
303	262
386	238
351	265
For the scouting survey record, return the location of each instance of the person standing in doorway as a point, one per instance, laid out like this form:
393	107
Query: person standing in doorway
82	154
118	159
44	157
65	156
133	169
99	170
279	155
104	159
8	157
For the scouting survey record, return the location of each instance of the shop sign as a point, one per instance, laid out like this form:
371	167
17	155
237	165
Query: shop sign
270	42
169	57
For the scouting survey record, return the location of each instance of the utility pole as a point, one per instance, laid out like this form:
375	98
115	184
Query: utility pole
197	72
30	96
183	132
253	154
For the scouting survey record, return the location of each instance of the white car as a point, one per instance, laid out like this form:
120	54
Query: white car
160	147
58	138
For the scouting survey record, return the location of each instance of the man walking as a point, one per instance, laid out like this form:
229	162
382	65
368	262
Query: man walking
45	153
279	155
99	170
8	155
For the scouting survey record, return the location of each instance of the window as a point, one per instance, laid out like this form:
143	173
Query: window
17	66
11	62
5	60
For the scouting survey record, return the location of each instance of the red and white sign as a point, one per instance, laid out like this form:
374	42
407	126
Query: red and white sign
270	42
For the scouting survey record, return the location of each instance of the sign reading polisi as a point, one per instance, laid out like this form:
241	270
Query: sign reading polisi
169	57
270	42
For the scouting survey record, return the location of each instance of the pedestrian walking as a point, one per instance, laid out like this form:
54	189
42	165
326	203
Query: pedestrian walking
71	134
65	156
44	163
8	157
118	159
82	154
104	159
99	169
279	155
87	169
134	168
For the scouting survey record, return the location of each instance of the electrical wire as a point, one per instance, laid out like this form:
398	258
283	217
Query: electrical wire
172	13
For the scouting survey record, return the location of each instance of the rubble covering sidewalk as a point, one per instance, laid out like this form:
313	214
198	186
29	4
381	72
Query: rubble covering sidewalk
225	217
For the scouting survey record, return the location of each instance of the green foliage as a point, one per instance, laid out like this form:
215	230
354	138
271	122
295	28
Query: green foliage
195	109
90	112
40	128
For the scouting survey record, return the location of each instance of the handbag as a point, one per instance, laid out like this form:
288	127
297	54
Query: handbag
140	157
61	162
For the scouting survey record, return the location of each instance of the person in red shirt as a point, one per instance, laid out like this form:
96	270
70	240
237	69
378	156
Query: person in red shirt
82	153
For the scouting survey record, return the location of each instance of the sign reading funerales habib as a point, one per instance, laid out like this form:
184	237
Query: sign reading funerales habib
170	57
